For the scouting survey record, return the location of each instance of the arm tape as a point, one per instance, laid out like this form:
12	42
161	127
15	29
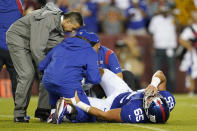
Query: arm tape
81	105
155	81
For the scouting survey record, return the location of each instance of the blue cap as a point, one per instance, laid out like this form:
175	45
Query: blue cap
90	36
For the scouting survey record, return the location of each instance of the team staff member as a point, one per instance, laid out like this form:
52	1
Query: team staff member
107	59
28	39
64	68
10	11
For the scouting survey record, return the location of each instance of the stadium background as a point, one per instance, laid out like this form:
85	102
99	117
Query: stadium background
184	116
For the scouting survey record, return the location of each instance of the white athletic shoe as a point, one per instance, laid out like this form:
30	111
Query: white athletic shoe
61	110
51	118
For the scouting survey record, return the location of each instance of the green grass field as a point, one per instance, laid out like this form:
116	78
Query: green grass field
182	118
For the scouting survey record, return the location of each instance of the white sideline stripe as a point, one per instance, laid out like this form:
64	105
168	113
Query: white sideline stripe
145	127
10	116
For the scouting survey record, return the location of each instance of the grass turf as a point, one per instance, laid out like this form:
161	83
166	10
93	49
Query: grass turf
182	118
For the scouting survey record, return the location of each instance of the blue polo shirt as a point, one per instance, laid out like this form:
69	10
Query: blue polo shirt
107	59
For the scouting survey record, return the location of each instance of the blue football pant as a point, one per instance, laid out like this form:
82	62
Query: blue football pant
55	92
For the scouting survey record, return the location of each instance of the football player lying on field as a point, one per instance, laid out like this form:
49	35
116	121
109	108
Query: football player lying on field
124	105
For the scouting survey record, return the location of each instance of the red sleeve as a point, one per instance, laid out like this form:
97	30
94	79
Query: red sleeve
109	52
20	6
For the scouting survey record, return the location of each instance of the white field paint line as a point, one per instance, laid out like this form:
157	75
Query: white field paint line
145	127
10	116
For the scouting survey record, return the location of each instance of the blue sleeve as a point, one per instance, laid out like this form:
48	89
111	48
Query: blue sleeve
92	72
44	63
169	98
114	65
133	112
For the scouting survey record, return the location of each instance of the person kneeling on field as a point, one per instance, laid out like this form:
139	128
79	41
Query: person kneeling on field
64	68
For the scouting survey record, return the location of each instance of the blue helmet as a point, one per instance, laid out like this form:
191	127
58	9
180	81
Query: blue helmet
157	110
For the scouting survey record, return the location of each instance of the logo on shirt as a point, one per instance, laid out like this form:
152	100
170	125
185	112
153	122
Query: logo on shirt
100	62
117	68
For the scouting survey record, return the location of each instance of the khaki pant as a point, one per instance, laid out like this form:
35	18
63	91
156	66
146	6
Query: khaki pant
23	63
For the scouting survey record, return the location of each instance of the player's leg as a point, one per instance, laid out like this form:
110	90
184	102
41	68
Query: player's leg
58	106
171	74
112	84
53	98
98	103
63	109
43	108
103	104
131	80
24	67
12	72
25	71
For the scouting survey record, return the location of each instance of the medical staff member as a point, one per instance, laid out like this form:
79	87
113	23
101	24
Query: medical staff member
10	11
107	59
29	39
64	68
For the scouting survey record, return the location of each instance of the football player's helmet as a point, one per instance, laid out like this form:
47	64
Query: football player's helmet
156	109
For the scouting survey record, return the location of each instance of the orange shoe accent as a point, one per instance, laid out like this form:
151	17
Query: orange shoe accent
5	88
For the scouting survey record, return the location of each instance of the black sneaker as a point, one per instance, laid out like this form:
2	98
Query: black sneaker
21	119
43	114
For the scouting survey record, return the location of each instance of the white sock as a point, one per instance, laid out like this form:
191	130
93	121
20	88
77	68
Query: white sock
69	109
53	111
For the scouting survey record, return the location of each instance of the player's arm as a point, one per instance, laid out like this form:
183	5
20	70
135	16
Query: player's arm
111	115
114	65
45	62
162	85
93	75
158	82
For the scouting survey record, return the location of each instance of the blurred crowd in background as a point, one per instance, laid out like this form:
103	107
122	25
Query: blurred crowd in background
162	21
122	16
